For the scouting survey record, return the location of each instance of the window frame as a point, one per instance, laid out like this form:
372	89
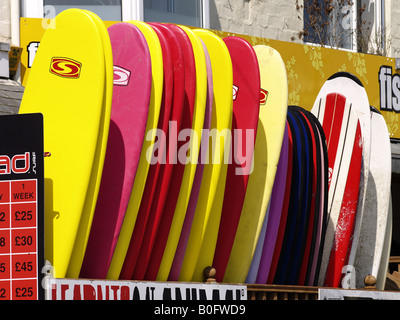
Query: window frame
131	10
354	21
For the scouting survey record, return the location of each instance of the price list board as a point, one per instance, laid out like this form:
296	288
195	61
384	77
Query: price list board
21	207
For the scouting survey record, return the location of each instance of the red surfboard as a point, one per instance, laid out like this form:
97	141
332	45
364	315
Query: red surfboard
132	78
246	104
155	168
344	231
167	169
191	208
178	170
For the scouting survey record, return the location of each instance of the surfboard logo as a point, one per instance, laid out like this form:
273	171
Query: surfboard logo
121	76
330	173
263	96
65	67
235	92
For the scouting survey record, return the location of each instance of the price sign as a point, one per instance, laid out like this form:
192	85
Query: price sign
21	207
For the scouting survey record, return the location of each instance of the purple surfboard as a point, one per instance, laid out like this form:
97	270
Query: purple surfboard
187	224
131	97
266	243
277	197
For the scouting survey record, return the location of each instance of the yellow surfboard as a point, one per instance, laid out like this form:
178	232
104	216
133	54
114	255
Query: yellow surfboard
270	131
147	148
85	224
67	85
204	232
190	167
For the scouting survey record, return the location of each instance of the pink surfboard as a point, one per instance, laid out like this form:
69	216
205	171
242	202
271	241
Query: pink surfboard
155	168
167	169
187	224
131	97
246	104
178	170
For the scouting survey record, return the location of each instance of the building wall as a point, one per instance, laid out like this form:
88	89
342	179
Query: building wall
392	13
278	20
5	24
273	19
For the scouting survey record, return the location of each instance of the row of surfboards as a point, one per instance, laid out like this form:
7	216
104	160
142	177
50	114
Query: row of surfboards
115	100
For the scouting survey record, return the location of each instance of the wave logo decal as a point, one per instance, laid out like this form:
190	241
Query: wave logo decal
235	92
263	96
66	68
121	76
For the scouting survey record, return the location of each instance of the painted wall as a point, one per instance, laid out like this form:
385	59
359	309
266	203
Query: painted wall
5	24
273	19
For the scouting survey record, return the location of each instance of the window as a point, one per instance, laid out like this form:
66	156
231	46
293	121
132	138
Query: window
194	12
105	9
175	11
372	28
356	25
330	22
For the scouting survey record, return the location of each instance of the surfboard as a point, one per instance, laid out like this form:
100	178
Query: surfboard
94	185
132	77
342	129
131	213
177	181
267	242
285	209
304	222
160	149
351	88
194	194
323	206
71	69
270	131
314	198
345	225
383	267
164	179
199	77
375	215
294	226
246	105
255	262
318	199
203	235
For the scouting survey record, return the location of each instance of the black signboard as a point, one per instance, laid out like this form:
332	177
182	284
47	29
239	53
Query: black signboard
21	207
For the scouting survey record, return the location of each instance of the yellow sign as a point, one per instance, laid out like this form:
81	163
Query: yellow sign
14	57
307	66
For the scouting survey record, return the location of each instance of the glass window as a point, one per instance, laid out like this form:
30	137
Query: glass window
106	9
330	22
174	11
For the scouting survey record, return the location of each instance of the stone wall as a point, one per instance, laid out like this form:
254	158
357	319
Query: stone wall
5	24
273	19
